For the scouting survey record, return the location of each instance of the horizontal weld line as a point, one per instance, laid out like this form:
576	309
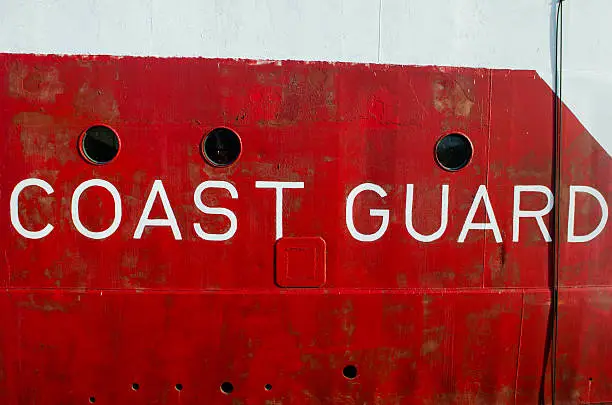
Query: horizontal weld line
305	291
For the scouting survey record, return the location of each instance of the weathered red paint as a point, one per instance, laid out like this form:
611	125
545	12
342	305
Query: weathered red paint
425	323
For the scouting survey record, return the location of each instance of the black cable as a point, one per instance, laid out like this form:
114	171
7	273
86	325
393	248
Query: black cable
558	117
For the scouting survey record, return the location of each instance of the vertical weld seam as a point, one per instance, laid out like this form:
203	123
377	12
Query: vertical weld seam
379	29
8	270
589	393
488	171
452	356
520	340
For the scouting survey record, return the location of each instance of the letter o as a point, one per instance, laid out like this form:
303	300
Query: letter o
74	209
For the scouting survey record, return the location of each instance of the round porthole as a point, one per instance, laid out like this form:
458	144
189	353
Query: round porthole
221	147
99	144
453	152
349	372
227	387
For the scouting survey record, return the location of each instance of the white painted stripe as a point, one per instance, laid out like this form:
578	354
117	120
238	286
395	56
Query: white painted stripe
517	34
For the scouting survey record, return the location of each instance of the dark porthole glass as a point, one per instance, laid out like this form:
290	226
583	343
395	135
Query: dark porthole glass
349	372
221	147
453	152
99	144
227	387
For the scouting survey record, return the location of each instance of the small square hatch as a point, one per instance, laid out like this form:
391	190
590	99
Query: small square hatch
300	262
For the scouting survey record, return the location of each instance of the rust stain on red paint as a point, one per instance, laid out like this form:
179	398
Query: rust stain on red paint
96	103
453	96
36	83
438	322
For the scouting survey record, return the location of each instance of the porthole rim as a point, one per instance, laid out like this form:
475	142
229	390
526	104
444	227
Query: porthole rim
203	149
230	390
82	149
352	367
440	138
